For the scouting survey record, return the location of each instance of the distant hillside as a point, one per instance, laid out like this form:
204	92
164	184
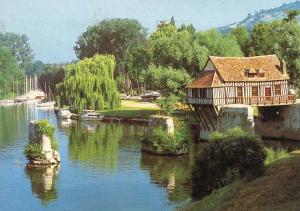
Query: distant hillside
263	16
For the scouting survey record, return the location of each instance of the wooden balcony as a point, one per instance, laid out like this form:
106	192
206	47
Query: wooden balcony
255	101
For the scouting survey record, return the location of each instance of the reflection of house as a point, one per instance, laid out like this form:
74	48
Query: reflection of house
261	80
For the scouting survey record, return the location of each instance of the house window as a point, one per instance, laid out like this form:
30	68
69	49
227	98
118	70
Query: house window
254	91
240	91
277	89
194	93
203	93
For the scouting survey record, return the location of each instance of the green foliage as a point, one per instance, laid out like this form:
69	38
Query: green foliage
18	46
168	104
11	76
33	151
242	36
163	141
291	16
45	128
166	80
228	157
177	49
90	84
218	44
51	75
98	148
280	38
275	154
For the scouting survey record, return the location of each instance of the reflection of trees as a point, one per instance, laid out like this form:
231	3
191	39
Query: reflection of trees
43	182
97	145
12	123
172	172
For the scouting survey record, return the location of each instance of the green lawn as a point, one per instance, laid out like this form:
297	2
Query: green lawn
133	109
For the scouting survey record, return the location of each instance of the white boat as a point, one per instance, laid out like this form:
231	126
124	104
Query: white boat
91	115
7	102
48	100
64	113
49	104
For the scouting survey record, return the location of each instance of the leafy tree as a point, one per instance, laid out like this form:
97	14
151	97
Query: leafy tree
177	49
242	36
291	16
280	38
218	44
139	59
166	79
168	104
35	68
50	76
11	77
113	36
90	84
19	47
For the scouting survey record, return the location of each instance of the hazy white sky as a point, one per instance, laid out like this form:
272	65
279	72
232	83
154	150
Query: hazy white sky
54	25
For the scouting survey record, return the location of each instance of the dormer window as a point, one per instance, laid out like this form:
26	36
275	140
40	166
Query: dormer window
250	73
260	73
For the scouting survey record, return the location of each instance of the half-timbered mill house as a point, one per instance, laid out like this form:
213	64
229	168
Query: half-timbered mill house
257	81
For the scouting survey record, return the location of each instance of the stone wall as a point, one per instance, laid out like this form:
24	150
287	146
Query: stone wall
51	156
230	116
286	127
165	122
237	115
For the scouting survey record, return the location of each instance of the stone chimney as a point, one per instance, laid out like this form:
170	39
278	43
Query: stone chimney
283	66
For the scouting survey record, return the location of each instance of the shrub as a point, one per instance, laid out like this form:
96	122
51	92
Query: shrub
44	127
33	151
163	141
228	157
168	104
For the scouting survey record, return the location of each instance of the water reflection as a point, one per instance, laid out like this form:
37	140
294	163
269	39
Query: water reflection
12	120
64	123
43	182
173	173
95	144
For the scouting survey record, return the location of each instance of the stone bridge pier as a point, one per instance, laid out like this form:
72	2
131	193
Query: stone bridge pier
278	122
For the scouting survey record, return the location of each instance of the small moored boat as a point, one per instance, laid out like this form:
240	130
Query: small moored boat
91	115
64	113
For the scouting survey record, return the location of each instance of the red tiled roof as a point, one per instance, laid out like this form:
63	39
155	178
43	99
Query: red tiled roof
233	68
236	69
206	79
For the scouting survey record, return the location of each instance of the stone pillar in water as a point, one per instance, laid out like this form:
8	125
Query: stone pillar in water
50	156
165	122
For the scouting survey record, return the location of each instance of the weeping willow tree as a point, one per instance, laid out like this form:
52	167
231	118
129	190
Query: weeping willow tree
90	84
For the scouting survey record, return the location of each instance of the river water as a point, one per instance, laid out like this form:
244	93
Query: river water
102	168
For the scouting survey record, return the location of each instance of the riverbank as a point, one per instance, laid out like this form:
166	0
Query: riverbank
132	110
277	189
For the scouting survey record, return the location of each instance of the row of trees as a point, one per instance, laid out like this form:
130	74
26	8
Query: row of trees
183	48
278	37
171	56
16	60
141	59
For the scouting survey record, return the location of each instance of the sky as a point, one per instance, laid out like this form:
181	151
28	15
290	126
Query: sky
53	26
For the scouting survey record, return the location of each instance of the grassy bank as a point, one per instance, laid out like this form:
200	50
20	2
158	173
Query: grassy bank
277	189
133	109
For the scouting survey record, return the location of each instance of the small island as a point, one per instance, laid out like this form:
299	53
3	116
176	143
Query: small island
42	147
163	139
